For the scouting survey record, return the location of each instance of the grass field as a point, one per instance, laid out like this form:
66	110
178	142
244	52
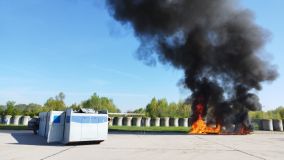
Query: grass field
13	127
114	128
149	129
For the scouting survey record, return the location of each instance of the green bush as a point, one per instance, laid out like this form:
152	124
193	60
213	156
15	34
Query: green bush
161	108
277	113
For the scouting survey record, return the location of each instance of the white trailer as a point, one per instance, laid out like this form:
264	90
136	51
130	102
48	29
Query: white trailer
68	126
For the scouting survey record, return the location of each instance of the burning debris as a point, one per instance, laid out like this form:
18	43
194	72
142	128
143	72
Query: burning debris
218	46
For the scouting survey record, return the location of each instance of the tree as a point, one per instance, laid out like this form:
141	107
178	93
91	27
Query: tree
2	109
162	108
100	103
56	104
60	96
280	111
172	110
140	110
10	110
152	107
19	109
75	107
32	110
184	110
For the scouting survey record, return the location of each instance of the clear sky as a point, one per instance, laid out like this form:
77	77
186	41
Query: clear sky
75	47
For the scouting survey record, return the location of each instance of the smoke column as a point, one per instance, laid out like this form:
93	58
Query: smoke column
215	42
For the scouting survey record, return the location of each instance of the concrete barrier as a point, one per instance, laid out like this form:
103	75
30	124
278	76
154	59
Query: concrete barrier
283	124
257	124
114	121
277	125
110	123
124	121
25	120
157	122
7	119
171	122
184	122
167	121
133	121
138	121
147	121
119	121
176	122
264	124
267	124
164	121
128	121
16	120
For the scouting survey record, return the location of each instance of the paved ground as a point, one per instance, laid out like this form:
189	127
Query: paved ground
23	145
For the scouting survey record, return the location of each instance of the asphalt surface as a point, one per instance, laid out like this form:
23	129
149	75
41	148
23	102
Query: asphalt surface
23	145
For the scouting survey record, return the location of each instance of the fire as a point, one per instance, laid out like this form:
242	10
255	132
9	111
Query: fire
244	130
200	126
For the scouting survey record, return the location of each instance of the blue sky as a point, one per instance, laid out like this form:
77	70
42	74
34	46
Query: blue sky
74	46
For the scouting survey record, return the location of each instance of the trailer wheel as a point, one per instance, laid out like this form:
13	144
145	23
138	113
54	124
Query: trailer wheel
35	132
98	142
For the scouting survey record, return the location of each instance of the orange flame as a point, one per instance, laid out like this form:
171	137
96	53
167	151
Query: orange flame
200	127
244	130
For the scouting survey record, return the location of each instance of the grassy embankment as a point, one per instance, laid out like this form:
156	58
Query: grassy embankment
149	129
115	128
13	127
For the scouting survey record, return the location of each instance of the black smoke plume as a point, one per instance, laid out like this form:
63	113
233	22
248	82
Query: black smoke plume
215	42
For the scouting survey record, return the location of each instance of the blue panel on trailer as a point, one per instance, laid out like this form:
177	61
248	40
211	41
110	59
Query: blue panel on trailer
56	119
102	119
88	119
94	119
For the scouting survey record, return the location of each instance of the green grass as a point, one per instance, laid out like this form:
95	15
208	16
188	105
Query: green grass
13	127
149	129
115	128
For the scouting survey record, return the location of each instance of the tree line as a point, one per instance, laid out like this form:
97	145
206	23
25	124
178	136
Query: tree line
162	108
57	104
155	108
277	113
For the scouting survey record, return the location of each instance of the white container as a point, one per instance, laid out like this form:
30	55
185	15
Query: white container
55	126
42	123
85	127
66	127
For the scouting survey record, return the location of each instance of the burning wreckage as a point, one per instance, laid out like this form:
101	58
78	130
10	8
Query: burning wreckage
218	46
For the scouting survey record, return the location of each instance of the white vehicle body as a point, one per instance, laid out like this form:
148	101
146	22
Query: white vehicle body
68	126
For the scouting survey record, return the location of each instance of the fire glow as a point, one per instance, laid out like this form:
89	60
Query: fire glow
200	126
